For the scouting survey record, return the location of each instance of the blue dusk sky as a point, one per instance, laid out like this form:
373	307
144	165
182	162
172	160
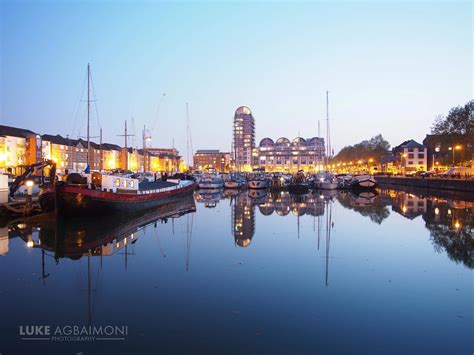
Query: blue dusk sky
390	67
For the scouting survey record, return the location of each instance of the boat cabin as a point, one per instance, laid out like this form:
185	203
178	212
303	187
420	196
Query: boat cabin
114	183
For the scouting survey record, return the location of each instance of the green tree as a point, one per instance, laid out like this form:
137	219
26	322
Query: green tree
460	120
374	148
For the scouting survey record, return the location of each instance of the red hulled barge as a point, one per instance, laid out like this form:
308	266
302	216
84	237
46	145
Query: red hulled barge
99	194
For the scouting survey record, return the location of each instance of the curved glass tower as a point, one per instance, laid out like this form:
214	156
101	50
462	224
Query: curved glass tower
244	138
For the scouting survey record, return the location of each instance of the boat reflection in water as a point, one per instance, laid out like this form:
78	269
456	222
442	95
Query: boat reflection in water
210	197
77	237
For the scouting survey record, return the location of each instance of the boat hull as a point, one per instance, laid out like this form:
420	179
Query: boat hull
211	185
76	201
258	184
327	185
364	184
231	185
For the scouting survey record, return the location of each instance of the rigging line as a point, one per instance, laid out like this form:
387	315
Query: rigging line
79	105
95	102
158	109
190	135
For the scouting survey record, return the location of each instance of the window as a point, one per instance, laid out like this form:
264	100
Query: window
411	156
421	156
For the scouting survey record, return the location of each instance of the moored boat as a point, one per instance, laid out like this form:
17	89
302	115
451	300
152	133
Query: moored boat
325	181
99	194
298	184
363	182
257	182
211	181
231	184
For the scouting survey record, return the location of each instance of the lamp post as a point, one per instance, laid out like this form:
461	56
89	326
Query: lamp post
459	147
29	192
451	148
437	149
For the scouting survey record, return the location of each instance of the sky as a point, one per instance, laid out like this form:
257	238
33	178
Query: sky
389	67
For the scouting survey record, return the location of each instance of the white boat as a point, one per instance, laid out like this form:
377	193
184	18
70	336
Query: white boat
258	182
211	181
326	181
363	182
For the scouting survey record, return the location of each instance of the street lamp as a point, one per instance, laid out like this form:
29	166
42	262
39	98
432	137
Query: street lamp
402	155
459	147
451	148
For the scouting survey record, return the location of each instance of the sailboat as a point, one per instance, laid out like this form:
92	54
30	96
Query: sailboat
97	193
326	180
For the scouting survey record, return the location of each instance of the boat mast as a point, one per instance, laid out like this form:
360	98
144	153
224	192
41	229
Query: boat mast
126	147
316	160
189	140
88	112
328	143
126	144
101	154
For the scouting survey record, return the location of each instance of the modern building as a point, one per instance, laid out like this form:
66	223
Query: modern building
244	139
211	159
413	156
290	156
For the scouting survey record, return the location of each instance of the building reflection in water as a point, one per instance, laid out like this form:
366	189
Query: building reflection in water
243	219
448	216
448	219
244	206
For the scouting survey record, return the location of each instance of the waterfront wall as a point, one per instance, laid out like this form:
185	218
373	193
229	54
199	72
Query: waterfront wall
429	183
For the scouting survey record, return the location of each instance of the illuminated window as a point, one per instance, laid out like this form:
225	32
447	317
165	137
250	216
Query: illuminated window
117	182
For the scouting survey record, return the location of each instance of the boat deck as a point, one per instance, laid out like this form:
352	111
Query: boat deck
154	185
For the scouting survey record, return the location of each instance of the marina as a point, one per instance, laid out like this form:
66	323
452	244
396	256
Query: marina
236	177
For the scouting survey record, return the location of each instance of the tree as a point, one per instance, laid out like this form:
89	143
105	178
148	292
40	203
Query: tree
460	120
374	148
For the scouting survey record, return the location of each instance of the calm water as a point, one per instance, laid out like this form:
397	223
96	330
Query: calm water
331	273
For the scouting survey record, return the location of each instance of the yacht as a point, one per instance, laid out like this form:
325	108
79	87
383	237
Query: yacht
211	181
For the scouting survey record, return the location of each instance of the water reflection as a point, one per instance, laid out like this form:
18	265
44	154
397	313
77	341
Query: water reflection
449	220
75	238
372	249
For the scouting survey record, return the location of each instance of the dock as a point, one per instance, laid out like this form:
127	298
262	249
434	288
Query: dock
452	184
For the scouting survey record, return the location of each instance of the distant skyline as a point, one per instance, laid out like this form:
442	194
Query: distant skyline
390	68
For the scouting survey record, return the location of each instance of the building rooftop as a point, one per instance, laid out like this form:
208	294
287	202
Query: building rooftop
243	110
410	144
15	132
209	151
